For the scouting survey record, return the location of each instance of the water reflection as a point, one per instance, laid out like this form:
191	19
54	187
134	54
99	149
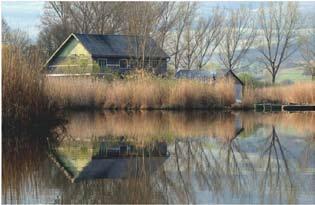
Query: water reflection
108	158
165	157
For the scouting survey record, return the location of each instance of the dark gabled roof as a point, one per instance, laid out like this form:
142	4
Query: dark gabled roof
119	46
204	74
119	168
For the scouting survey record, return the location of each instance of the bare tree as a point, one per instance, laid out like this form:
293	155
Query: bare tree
184	12
166	23
307	48
5	30
278	22
200	39
191	39
62	18
211	38
239	35
55	26
15	37
141	19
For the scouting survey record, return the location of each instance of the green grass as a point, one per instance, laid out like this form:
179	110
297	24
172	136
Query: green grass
294	74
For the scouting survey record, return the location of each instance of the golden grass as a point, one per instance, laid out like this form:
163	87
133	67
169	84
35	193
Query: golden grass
23	99
139	93
300	93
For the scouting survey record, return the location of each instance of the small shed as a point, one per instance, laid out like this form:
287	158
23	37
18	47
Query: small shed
211	75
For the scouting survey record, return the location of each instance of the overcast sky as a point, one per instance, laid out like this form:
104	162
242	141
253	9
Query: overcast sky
26	15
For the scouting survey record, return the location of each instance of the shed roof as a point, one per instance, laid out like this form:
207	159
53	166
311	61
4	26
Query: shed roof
204	74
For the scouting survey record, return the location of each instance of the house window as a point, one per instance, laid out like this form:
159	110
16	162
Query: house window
103	64
154	63
123	63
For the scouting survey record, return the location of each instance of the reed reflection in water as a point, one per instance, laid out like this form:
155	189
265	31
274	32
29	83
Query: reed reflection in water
166	157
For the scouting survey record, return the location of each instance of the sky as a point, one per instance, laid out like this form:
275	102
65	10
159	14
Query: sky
23	15
26	14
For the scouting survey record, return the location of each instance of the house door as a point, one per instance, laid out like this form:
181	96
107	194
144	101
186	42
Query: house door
123	63
103	64
238	92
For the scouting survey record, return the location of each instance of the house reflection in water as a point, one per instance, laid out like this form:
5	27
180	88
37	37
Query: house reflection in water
112	159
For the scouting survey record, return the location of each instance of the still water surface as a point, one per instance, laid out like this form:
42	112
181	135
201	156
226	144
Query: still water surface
163	157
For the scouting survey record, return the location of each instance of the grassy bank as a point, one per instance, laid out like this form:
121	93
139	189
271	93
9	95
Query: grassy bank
140	92
147	92
23	97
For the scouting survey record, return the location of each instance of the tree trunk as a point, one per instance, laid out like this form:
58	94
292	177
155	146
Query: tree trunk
313	76
273	78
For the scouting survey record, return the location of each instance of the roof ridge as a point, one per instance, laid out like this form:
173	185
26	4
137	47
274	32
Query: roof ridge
95	34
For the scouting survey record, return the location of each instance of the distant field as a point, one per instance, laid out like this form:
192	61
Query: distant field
294	74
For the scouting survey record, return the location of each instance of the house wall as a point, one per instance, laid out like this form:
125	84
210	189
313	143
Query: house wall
159	66
72	58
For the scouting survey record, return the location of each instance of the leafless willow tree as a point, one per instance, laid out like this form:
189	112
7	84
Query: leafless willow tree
239	35
279	23
185	11
201	37
166	23
307	47
212	30
190	43
141	19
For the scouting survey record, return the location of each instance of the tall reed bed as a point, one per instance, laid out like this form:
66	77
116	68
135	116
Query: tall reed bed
140	92
300	93
23	97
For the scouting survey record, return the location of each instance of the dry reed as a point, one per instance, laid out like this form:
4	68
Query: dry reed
300	93
22	87
139	93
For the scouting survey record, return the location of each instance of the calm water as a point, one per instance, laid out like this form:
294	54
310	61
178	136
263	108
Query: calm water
163	157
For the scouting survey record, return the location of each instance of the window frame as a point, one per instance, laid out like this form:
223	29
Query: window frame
102	59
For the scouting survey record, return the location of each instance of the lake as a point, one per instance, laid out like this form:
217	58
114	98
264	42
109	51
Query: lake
163	157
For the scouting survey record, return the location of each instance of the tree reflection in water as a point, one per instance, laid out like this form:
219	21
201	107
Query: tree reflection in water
266	165
273	180
196	163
